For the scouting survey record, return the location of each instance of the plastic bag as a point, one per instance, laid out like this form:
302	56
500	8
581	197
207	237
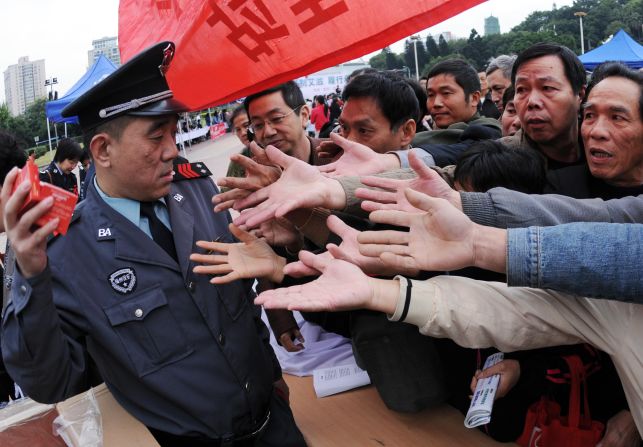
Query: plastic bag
80	423
25	422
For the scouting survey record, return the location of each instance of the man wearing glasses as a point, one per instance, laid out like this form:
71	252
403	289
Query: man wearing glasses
278	116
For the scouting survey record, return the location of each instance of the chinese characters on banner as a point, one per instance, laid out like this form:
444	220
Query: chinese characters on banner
227	49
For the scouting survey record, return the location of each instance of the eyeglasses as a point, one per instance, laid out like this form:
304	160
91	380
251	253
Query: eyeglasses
257	126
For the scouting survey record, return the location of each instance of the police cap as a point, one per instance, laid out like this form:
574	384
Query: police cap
138	88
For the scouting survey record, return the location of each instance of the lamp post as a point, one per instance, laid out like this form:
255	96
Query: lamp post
50	82
415	39
580	15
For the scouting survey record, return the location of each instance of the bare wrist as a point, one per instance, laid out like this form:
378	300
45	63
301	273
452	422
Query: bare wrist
384	294
391	161
335	195
490	248
278	270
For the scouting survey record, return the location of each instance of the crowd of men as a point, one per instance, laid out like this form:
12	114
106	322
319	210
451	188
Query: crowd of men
513	223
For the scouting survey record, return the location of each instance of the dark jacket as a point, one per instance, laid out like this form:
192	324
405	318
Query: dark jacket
180	354
56	177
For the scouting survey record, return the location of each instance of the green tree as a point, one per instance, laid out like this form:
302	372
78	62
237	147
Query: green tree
476	51
393	61
378	61
431	47
409	55
443	46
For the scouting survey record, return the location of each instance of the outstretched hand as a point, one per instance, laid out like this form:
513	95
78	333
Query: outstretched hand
357	159
348	251
259	173
392	197
29	243
329	292
250	258
440	238
300	186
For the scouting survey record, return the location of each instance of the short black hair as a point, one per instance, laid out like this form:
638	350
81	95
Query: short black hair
293	97
360	71
620	70
420	94
85	155
574	70
464	74
508	95
67	149
240	109
114	128
11	155
394	96
489	164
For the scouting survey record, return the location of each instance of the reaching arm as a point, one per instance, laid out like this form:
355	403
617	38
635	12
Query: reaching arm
504	208
591	259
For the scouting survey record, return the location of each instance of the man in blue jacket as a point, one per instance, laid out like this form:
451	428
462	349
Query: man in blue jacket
189	359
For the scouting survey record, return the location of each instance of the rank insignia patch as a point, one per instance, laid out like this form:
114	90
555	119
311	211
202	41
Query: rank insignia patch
186	171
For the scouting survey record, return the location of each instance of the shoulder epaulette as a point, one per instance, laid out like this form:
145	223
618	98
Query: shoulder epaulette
188	171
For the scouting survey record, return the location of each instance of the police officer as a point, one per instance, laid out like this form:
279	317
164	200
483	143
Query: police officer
59	172
189	359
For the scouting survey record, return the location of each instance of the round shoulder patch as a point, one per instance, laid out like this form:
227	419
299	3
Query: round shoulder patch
123	280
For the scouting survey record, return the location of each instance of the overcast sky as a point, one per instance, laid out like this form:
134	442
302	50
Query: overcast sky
61	31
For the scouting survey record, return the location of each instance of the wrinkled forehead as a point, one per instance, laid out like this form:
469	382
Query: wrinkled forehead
615	92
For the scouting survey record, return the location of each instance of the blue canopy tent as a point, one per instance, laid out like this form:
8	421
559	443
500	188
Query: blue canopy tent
96	73
621	48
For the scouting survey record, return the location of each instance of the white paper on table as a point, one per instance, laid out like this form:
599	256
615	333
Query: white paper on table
482	402
337	379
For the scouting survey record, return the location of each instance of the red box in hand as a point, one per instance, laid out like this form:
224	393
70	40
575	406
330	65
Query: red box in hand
64	201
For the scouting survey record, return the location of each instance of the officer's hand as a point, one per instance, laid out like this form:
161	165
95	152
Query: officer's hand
250	258
289	340
28	242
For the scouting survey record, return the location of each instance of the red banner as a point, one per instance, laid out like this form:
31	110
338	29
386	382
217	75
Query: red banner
217	130
228	49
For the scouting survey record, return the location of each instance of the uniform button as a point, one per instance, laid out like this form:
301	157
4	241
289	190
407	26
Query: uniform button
23	289
221	339
247	386
191	286
138	313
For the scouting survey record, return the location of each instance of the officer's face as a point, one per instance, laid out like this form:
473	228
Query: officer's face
138	166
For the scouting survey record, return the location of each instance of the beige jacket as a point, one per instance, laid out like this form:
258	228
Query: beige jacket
477	314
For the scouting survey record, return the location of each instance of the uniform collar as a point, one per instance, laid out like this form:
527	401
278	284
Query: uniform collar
128	208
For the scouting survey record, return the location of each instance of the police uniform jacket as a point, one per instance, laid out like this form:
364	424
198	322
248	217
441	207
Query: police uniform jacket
180	354
52	174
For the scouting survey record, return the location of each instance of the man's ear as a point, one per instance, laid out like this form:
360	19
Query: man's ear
304	113
407	132
474	98
581	94
100	149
